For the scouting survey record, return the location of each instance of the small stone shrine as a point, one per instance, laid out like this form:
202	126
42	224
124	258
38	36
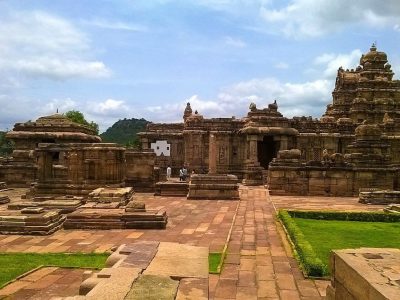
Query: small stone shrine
21	168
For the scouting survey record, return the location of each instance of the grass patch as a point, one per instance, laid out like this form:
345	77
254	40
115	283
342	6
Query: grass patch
316	233
325	236
214	263
13	265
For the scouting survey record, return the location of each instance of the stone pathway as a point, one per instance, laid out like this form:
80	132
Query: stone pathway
257	265
45	284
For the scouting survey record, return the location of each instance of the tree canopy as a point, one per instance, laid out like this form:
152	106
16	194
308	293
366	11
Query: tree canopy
78	117
124	132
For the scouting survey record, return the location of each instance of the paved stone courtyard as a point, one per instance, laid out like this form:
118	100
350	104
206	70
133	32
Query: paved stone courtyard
258	264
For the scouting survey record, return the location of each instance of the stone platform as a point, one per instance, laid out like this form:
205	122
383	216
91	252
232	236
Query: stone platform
213	186
115	218
171	188
149	270
379	197
65	205
365	274
4	199
393	208
111	195
34	221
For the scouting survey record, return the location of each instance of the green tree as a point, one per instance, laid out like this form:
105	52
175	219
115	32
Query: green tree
6	146
78	117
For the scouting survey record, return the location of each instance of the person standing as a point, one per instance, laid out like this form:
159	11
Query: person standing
185	173
181	174
169	173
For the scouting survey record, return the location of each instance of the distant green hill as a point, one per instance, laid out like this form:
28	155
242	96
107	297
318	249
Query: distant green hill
124	131
6	146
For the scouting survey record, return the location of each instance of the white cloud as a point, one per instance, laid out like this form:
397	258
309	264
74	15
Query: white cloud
116	25
42	45
108	106
282	65
234	42
331	62
294	99
307	18
396	27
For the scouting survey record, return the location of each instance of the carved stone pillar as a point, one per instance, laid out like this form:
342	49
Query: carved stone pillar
284	143
212	154
252	141
253	171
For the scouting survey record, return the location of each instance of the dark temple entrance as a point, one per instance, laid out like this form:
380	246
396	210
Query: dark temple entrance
266	151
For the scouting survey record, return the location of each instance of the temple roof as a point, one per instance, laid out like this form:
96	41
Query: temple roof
373	56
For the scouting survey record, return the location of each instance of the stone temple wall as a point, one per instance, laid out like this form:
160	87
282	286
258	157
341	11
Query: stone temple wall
140	170
328	181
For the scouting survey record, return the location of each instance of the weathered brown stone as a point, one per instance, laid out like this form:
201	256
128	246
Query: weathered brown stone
31	221
213	186
365	274
354	145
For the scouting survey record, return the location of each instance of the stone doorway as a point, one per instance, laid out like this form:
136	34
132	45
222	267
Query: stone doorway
266	150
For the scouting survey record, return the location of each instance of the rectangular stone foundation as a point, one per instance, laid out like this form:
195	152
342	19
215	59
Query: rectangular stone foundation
379	197
64	205
213	187
365	274
117	218
40	222
171	189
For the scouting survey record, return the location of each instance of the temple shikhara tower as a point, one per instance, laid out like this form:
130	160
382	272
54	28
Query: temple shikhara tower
354	145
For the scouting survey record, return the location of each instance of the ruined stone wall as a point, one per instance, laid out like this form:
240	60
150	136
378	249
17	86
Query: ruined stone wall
17	174
140	170
312	145
77	169
327	181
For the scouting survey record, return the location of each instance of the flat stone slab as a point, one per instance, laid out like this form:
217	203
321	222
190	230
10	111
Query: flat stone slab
137	255
365	273
179	261
192	288
114	284
153	287
66	206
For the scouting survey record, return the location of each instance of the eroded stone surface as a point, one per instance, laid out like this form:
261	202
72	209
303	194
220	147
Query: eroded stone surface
179	261
150	287
365	273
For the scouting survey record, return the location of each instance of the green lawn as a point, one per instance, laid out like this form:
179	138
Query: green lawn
326	235
13	265
214	260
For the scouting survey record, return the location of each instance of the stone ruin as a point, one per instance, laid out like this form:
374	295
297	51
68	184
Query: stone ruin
20	169
365	273
76	181
354	145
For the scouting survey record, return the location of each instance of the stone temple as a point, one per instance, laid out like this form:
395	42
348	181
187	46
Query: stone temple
354	145
63	182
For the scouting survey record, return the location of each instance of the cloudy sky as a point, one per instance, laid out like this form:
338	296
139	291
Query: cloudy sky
146	59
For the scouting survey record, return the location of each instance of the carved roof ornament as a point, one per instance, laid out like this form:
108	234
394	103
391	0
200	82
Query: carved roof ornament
188	111
253	106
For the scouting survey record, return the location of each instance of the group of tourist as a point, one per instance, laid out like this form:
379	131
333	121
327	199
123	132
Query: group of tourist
183	173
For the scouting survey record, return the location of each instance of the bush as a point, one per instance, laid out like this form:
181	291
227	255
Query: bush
345	216
311	264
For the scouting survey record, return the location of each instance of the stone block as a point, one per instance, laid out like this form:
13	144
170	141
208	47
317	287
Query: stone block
365	274
179	261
